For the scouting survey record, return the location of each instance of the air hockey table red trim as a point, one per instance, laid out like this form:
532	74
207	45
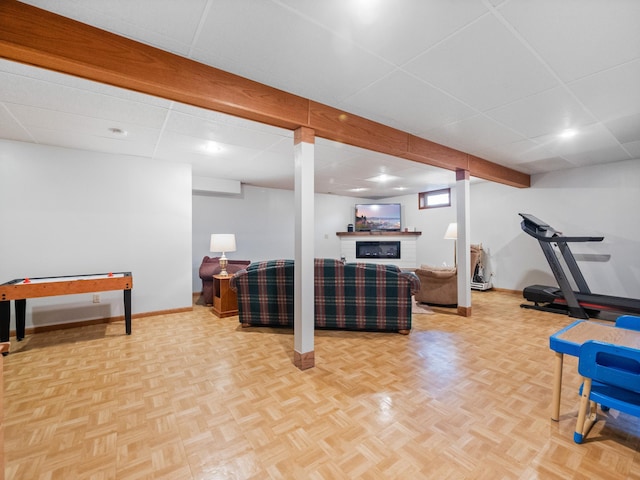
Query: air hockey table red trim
20	289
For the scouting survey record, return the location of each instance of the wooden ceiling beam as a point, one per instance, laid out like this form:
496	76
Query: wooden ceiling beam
43	39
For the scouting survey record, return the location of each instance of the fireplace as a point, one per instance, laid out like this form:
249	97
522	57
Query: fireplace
377	249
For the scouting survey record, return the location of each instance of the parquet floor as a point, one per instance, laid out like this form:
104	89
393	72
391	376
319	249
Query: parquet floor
191	396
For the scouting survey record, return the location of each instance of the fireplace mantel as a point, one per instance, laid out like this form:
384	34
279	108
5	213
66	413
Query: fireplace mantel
377	234
408	248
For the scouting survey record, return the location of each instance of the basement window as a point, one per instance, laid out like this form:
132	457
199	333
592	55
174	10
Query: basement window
435	198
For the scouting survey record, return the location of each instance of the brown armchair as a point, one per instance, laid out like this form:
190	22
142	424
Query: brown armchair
211	266
439	285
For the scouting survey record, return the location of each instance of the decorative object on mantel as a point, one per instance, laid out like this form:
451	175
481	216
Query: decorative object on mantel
223	242
379	233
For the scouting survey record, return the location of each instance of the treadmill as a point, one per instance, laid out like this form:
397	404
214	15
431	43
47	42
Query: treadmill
563	299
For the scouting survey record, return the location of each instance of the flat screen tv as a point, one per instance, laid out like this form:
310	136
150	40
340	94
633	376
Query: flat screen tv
378	217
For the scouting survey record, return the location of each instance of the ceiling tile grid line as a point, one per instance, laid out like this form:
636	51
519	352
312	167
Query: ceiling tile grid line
200	27
162	130
495	79
561	82
6	108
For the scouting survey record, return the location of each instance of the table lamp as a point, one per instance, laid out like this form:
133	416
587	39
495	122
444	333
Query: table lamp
223	242
452	234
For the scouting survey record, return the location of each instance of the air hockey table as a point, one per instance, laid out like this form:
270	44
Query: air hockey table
20	289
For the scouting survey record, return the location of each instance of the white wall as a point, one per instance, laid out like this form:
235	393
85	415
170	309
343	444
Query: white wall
68	212
590	201
598	200
263	221
432	248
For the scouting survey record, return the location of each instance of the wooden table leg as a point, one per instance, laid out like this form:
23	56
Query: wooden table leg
5	318
21	315
127	311
557	387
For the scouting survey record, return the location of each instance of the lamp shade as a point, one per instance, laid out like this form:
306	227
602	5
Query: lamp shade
223	242
452	232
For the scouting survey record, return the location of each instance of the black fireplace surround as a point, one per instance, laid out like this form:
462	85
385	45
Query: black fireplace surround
377	249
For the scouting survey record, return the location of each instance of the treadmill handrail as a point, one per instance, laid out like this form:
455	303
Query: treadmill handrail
545	233
559	238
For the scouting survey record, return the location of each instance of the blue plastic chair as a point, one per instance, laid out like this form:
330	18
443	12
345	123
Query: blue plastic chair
630	322
611	375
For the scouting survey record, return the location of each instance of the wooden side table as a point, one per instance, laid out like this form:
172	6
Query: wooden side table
225	302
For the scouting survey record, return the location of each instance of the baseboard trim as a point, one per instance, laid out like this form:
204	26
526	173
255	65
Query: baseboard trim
98	321
507	290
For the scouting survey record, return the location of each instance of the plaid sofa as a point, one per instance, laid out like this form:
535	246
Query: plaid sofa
351	296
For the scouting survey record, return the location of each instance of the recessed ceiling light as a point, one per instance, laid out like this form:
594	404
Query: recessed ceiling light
212	147
118	132
399	188
382	178
358	189
568	133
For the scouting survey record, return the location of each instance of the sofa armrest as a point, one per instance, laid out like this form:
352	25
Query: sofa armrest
236	278
414	281
437	272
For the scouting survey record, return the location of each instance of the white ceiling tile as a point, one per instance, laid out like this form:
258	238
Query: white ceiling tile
426	177
407	103
551	111
291	53
14	74
45	120
472	134
612	94
201	129
516	153
610	154
633	148
328	152
545	165
10	128
593	137
54	97
224	164
483	66
578	37
104	144
396	31
229	120
358	171
625	129
166	24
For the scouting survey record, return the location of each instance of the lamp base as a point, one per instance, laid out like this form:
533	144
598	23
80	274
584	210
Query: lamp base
223	265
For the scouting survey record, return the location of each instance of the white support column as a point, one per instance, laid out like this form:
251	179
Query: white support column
463	243
304	312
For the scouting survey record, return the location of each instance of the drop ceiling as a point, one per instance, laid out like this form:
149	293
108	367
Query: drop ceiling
501	80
